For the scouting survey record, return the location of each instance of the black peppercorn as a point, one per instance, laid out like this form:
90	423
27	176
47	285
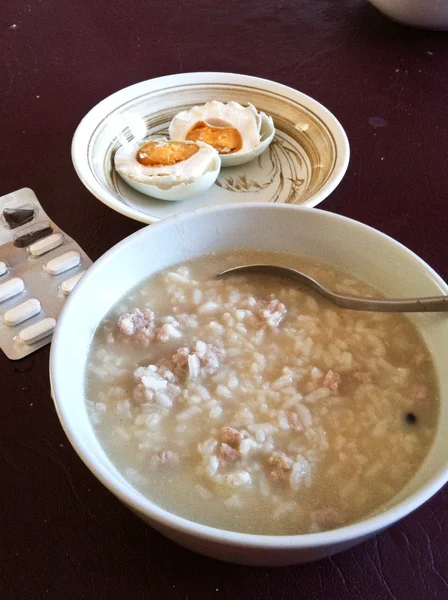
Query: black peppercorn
411	418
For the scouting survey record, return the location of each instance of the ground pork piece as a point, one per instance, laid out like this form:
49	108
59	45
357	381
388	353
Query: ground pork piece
228	453
209	361
362	377
282	466
294	421
209	356
153	379
137	323
332	381
165	458
180	359
164	371
172	391
231	436
271	312
183	364
203	360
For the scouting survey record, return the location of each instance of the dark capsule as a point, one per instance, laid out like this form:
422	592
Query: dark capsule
16	217
33	236
411	418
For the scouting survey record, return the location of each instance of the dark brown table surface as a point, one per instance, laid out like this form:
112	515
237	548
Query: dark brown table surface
62	535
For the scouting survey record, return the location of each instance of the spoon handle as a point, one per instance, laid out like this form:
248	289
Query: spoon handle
429	304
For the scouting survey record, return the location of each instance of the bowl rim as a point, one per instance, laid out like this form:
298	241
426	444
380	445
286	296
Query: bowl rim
80	141
142	505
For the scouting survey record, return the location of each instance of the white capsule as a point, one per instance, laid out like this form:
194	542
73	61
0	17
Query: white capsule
46	244
22	312
63	263
11	288
2	268
68	285
38	331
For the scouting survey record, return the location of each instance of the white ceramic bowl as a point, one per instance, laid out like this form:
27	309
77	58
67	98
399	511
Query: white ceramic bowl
303	164
362	251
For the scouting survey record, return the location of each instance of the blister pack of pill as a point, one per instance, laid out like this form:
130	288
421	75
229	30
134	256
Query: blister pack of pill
39	267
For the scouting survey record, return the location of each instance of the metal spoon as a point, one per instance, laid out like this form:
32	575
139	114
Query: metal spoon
428	304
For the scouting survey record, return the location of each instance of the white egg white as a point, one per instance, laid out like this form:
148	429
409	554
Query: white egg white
256	128
165	177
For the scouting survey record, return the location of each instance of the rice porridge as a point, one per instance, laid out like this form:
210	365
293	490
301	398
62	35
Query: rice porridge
248	403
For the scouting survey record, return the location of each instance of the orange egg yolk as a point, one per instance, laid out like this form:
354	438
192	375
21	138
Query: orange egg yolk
161	154
224	139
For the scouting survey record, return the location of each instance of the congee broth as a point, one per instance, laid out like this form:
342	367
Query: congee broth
251	404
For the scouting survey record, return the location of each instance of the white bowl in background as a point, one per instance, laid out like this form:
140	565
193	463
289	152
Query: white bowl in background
428	14
303	165
360	250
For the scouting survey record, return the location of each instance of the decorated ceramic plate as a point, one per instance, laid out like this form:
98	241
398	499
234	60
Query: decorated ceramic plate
304	163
